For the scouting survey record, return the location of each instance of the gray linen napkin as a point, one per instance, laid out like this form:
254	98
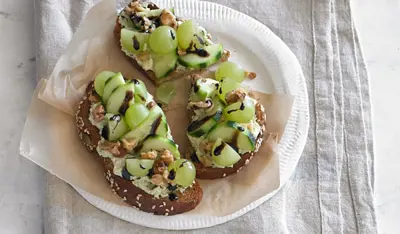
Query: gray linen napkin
332	188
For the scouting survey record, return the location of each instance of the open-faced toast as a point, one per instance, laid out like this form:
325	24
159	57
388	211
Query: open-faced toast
141	162
227	127
162	46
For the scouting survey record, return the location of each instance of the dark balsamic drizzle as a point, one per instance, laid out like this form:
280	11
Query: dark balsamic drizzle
172	175
194	157
200	52
182	164
140	165
196	124
242	106
136	81
115	118
240	128
220	90
230	111
172	197
172	187
172	34
196	88
151	173
216	85
125	104
136	43
200	39
104	132
218	149
155	125
125	174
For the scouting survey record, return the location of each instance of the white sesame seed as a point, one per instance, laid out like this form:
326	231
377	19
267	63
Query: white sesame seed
166	214
224	175
124	198
167	210
125	190
240	168
153	207
172	208
164	204
246	162
139	204
237	171
161	206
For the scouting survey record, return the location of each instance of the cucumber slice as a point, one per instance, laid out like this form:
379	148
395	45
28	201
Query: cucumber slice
233	134
101	80
111	84
139	167
159	127
203	88
223	154
145	128
133	42
163	64
153	13
115	127
121	98
159	143
141	94
192	60
201	127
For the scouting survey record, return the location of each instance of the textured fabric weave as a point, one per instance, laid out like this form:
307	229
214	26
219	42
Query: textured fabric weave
332	188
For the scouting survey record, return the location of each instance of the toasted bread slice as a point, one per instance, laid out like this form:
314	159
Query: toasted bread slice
206	172
175	74
90	137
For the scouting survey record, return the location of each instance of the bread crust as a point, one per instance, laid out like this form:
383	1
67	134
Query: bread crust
150	74
211	173
129	193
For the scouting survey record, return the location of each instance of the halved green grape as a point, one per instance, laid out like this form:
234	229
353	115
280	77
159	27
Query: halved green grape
135	115
133	41
111	84
182	172
225	86
165	92
223	154
101	80
163	40
139	167
186	33
203	88
230	70
241	112
140	91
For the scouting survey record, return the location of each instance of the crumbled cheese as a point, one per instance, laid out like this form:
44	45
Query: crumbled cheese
99	125
145	184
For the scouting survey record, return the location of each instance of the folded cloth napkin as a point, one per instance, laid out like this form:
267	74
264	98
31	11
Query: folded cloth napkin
332	188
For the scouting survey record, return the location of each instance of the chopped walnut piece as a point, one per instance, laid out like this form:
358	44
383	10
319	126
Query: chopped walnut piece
260	115
159	166
181	52
157	179
225	56
168	18
206	146
129	144
131	8
151	105
201	104
98	113
165	175
167	157
112	147
236	95
250	75
149	155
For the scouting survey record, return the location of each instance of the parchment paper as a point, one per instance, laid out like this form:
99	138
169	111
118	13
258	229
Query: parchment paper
50	139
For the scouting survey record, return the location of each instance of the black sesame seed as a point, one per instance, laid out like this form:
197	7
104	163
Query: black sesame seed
172	187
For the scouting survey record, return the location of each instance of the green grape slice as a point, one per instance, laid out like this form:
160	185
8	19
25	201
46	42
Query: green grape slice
163	40
139	167
223	154
241	112
101	80
226	85
182	172
135	115
165	92
186	33
230	70
133	41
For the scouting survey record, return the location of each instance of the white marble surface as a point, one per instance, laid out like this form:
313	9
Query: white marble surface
21	186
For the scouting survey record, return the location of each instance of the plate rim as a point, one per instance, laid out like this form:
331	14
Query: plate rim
208	221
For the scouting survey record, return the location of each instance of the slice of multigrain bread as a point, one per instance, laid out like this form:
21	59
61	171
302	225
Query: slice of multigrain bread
129	193
149	73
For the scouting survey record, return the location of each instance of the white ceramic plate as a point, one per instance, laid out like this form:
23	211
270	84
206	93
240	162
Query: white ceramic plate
255	47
